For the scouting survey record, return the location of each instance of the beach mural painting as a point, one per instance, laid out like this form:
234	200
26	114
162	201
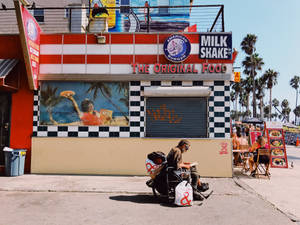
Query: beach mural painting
84	103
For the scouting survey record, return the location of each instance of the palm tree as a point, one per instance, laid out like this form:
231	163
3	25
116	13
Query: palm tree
106	92
251	64
49	99
285	109
296	111
247	88
248	44
260	84
294	82
237	90
270	76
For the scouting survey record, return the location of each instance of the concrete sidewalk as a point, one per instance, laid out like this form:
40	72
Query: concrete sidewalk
282	190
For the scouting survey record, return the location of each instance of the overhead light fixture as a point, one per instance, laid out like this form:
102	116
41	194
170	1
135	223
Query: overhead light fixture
101	39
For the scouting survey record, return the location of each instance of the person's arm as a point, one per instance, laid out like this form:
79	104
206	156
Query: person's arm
75	106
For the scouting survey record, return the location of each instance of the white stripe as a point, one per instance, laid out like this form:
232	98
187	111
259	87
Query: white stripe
74	49
50	68
121	69
74	68
219	98
124	134
135	119
219	119
97	49
62	134
211	124
219	88
219	130
144	49
194	49
97	68
51	50
219	109
119	49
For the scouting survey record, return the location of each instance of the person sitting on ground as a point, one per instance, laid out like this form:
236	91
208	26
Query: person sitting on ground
174	159
260	143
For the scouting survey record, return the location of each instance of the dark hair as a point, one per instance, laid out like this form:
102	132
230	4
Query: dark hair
238	134
183	142
85	105
259	139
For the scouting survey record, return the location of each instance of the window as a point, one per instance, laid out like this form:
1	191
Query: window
67	13
39	15
125	6
176	117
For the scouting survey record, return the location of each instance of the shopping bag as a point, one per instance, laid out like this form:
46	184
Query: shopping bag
184	194
152	168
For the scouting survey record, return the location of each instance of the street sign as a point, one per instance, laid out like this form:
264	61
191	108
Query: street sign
237	77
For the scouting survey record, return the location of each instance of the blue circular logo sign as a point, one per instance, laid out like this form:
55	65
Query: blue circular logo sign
177	48
31	30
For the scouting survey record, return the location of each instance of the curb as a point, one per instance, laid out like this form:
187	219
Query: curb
247	188
77	191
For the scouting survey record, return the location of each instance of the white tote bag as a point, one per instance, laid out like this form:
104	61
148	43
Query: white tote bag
184	194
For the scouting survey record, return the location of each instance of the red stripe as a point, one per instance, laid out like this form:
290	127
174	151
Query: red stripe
74	59
92	39
193	38
51	39
50	59
121	59
74	38
122	38
97	59
163	37
146	59
145	38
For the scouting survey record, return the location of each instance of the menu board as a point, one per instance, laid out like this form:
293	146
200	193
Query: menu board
277	147
253	136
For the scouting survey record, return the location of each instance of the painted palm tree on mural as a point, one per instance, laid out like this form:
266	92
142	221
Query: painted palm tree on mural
251	63
270	77
49	99
105	90
294	82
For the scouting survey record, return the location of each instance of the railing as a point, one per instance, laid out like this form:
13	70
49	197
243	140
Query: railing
200	18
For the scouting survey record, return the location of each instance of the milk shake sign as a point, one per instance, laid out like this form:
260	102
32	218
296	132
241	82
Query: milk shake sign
215	46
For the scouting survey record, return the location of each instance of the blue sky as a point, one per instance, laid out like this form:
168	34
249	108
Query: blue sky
277	26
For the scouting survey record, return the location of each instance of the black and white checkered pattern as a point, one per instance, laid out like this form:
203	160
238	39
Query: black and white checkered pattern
218	122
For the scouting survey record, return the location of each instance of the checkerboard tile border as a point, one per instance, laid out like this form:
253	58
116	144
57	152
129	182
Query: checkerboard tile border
218	113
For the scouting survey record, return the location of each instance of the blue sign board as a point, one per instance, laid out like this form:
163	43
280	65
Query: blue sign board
177	48
215	46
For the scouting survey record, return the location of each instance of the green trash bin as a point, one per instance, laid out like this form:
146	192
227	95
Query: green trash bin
14	161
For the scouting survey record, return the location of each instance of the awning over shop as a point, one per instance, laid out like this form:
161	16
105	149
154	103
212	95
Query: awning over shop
177	91
8	82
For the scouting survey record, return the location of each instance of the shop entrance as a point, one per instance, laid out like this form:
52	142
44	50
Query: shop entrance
5	104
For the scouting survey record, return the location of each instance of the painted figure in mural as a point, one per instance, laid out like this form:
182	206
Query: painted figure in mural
174	159
88	115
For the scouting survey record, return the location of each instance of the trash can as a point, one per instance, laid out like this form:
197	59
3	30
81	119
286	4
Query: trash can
14	161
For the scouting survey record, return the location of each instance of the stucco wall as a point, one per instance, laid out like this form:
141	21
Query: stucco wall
123	156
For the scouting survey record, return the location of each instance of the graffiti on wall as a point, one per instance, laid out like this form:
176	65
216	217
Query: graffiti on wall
85	104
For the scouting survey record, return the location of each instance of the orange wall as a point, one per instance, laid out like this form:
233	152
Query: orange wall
22	101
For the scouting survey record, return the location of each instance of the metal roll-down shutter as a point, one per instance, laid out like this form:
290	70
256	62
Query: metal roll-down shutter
176	117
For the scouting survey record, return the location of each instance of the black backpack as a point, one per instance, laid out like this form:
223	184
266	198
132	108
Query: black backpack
157	157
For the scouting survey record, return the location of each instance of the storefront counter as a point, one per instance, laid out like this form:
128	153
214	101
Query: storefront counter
123	156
